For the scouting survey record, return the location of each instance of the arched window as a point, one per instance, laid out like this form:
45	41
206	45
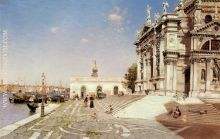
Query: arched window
206	46
208	18
211	45
139	88
203	75
115	89
215	44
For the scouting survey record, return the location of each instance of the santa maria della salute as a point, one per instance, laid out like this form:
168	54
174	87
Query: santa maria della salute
179	52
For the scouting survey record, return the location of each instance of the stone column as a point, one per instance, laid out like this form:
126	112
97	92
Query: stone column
161	63
209	73
162	45
147	72
170	76
194	78
174	89
139	84
138	67
138	73
154	62
144	72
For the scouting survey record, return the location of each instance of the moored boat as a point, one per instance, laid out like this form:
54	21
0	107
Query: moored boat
17	98
32	106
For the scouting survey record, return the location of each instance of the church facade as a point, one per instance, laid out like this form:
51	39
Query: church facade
91	85
180	52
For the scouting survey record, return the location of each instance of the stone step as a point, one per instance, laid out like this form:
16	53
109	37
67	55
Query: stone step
117	103
193	115
123	106
204	119
199	120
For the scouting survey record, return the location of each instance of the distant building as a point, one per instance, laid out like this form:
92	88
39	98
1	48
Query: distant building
15	88
87	85
180	51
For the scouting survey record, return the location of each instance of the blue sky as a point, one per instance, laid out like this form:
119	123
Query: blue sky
63	37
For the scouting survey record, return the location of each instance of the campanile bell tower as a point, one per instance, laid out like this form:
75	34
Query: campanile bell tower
94	70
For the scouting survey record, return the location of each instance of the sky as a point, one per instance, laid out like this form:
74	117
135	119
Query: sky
62	38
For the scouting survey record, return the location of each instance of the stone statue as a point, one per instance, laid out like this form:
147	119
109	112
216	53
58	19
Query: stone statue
165	7
216	72
156	16
181	2
138	34
148	15
203	75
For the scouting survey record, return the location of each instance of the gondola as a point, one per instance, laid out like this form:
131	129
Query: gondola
11	100
17	98
32	106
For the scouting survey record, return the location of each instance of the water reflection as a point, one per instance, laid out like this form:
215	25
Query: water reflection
10	112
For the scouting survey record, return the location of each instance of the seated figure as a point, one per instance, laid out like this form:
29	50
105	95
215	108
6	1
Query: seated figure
176	113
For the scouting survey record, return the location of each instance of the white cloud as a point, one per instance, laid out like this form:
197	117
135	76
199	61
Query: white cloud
115	16
84	40
54	29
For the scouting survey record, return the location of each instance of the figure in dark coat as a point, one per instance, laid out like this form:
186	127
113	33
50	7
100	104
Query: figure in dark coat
86	101
91	105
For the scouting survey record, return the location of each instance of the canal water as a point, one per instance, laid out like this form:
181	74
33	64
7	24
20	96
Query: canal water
10	112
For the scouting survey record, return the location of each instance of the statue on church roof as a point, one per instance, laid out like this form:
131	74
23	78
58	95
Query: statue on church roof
148	15
181	2
156	17
138	34
94	70
165	7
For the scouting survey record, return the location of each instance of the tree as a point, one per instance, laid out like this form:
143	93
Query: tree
130	77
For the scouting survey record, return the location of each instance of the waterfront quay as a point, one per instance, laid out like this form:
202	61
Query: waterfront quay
14	88
73	120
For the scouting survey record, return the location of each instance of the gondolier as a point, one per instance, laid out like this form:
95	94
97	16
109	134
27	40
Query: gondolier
32	105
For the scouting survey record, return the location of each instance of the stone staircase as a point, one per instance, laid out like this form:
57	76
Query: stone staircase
193	114
146	108
211	100
203	113
117	103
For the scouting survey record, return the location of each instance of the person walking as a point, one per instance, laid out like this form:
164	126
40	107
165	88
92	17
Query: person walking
91	105
86	101
77	97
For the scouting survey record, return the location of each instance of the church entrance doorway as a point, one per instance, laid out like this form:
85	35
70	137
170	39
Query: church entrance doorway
115	90
83	91
187	81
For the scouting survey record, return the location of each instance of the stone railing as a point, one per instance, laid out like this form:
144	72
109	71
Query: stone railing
205	52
